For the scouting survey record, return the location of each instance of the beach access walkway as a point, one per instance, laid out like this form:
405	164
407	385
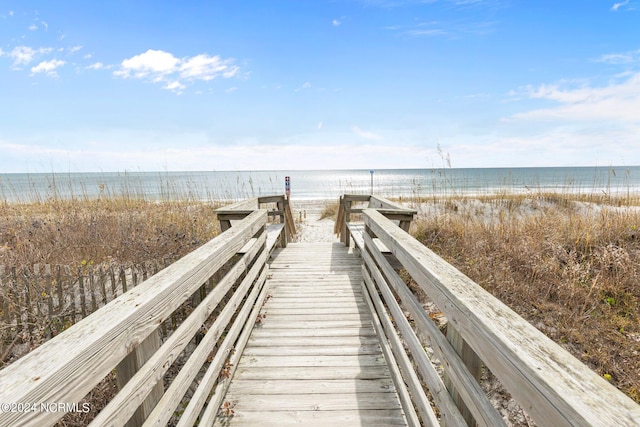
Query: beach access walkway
314	357
253	328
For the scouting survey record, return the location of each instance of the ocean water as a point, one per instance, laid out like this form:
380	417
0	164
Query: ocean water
325	184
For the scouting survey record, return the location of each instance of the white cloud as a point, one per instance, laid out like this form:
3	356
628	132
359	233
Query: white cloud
175	86
96	66
150	63
426	33
33	27
22	55
366	134
11	13
320	125
336	22
617	6
74	49
205	67
618	102
305	85
48	67
620	58
159	66
45	25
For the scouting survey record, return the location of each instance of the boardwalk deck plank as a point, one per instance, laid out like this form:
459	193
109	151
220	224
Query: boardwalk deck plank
315	357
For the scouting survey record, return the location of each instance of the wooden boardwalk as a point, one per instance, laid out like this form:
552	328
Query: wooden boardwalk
314	358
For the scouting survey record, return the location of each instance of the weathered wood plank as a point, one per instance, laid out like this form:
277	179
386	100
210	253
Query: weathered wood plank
358	417
284	310
301	332
380	385
299	361
315	324
334	350
315	317
313	373
314	402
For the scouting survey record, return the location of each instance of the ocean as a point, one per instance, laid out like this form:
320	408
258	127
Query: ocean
320	184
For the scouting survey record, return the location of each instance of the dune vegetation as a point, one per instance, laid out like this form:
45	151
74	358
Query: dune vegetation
569	264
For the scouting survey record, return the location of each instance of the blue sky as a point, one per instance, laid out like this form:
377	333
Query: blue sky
250	85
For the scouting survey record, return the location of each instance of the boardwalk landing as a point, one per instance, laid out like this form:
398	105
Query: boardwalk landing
315	358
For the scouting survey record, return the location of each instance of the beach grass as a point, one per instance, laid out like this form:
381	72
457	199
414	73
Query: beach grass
115	228
568	263
330	210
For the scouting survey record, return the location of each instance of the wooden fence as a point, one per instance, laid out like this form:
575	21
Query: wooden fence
38	303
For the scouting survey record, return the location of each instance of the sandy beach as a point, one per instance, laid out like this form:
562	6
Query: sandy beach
310	227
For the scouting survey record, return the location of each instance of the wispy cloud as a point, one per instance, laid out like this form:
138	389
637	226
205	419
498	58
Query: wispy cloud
618	102
446	29
617	6
163	67
175	86
366	134
96	66
620	58
33	27
336	22
48	67
22	55
305	85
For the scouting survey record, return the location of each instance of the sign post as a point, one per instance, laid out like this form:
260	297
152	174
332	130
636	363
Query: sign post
287	186
371	172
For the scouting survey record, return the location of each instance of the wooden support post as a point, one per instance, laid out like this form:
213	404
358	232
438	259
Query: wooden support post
405	225
225	224
290	222
347	217
473	364
59	289
49	289
83	296
286	237
128	367
338	226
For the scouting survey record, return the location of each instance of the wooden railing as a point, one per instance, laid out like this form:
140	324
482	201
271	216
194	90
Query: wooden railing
218	288
394	211
551	385
240	210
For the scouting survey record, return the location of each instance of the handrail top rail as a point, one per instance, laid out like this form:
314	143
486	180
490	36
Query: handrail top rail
383	203
249	205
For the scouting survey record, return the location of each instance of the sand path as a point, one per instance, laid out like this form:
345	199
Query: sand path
310	227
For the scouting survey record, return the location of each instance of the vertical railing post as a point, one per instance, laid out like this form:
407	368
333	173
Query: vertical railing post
347	218
286	236
473	364
128	367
